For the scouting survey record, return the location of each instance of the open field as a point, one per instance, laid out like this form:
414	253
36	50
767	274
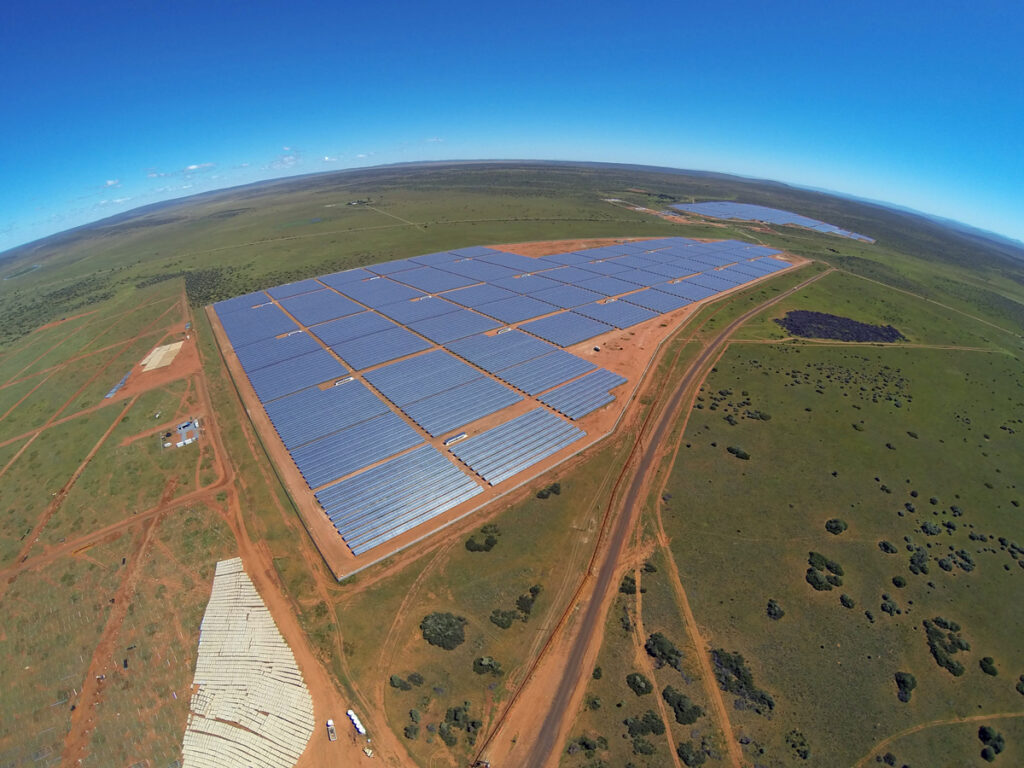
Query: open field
733	538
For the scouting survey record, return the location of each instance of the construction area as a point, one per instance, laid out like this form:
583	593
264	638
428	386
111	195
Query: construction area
398	398
250	705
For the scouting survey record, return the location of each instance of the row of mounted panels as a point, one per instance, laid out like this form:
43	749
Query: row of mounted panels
749	212
334	382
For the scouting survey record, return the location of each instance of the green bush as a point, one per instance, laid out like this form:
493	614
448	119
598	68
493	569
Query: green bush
686	711
485	665
835	526
735	677
774	610
503	619
639	684
988	666
905	683
416	679
642	746
598	673
661	649
846	601
797	742
691	754
411	731
649	722
628	585
399	683
445	630
817	580
944	641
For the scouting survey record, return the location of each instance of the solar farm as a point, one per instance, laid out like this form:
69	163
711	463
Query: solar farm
404	390
748	212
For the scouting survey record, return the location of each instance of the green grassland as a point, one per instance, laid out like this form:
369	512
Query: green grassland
144	708
889	423
52	622
31	481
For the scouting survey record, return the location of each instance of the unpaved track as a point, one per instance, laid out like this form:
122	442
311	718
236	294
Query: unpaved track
933	724
546	746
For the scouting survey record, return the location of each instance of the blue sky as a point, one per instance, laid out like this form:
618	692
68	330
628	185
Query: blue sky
109	106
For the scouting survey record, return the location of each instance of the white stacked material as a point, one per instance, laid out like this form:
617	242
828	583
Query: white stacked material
250	706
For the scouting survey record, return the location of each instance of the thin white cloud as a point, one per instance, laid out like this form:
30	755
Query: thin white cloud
112	183
120	200
329	159
198	167
434	139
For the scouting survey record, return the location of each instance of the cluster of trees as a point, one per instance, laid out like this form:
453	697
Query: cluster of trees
686	711
797	742
735	677
639	684
404	684
412	729
693	754
458	719
993	741
823	574
738	452
445	630
490	533
524	606
628	585
661	649
945	641
905	683
588	744
554	488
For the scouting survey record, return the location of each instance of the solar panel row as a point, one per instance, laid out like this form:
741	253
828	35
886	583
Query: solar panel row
255	324
566	329
506	450
352	449
578	398
379	504
453	325
282	378
460	405
545	371
273	350
413	379
380	347
313	413
618	313
495	353
748	212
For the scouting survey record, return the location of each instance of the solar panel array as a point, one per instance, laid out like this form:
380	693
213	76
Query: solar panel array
507	450
748	212
358	369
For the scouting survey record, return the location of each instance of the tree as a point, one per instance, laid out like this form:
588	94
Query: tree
835	526
445	630
905	683
639	684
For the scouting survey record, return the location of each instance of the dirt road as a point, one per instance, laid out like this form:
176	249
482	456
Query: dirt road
561	712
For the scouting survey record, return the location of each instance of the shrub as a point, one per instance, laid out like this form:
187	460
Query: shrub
661	649
846	601
445	630
735	677
993	741
399	683
525	602
905	683
416	679
899	582
642	746
797	742
738	452
412	731
598	673
502	618
639	684
1020	685
447	734
414	715
835	526
628	585
475	546
944	641
775	611
691	755
988	666
486	665
817	580
686	711
649	722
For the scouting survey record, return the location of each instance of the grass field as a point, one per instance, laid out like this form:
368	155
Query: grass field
740	530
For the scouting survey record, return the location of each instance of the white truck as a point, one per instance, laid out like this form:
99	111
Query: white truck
332	734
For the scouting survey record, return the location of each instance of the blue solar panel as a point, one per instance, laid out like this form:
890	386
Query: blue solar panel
545	371
314	413
636	261
409	380
379	347
349	450
379	291
478	270
494	353
434	259
641	277
295	373
620	314
567	296
434	279
475	252
656	301
711	280
352	327
476	295
319	306
687	289
566	329
568	258
517	309
525	283
390	267
735	276
516	262
571	275
294	289
273	350
516	445
247	301
674	270
405	312
606	252
609	267
375	506
607	285
766	266
248	325
578	398
460	405
454	325
338	279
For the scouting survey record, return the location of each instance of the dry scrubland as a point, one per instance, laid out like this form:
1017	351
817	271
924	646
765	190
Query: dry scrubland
739	530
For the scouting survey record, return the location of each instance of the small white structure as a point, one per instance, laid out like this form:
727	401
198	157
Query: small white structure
356	722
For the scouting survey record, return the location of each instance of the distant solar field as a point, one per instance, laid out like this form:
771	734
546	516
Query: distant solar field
368	374
748	212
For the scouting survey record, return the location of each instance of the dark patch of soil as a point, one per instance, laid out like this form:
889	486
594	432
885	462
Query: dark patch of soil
821	325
